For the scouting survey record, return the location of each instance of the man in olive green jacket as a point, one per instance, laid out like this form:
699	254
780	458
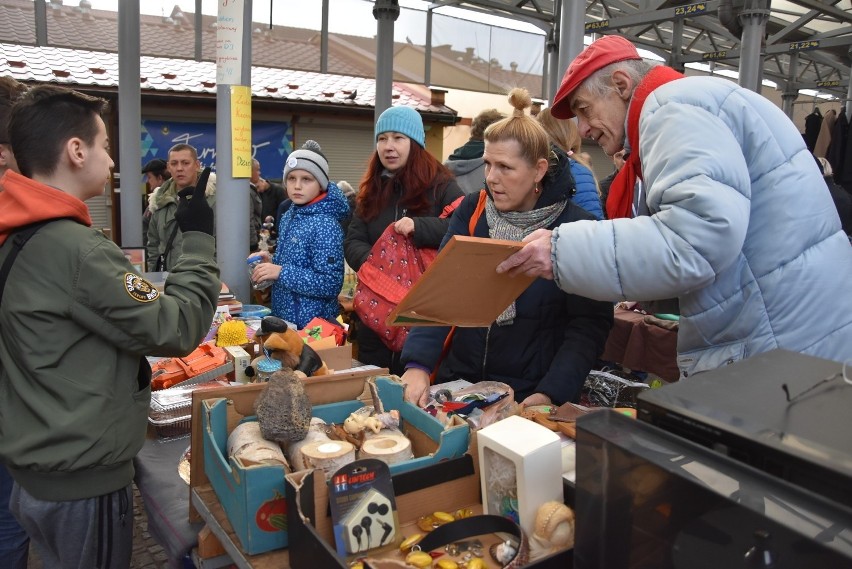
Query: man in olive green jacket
78	321
164	236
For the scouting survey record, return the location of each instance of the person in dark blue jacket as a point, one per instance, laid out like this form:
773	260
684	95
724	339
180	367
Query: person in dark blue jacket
307	268
564	135
546	342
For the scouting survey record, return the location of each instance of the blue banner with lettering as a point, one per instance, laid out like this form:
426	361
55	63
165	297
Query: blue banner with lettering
271	143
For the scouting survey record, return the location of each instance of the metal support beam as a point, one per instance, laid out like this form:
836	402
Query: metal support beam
824	85
677	46
232	194
788	97
841	15
129	124
386	12
570	33
792	26
654	17
753	21
552	63
427	66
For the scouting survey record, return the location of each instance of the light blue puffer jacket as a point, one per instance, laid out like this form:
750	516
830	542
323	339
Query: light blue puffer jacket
742	231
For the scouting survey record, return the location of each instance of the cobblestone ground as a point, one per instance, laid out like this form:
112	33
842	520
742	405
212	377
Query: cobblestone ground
147	554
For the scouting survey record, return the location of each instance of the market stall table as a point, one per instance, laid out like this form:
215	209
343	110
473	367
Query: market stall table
166	497
642	346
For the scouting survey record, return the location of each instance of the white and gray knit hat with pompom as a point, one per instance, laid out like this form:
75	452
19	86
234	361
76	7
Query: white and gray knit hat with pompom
311	159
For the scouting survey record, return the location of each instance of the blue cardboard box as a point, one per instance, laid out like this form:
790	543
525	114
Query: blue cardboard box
253	495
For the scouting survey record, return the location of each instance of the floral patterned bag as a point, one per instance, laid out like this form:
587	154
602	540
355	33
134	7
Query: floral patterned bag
391	269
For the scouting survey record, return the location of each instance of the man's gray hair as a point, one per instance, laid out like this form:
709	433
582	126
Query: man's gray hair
599	83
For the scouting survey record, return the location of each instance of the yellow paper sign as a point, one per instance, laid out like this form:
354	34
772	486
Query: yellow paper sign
241	130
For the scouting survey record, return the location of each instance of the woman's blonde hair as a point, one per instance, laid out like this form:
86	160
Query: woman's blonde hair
533	139
564	134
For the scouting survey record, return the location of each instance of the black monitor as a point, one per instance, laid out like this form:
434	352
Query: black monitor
742	412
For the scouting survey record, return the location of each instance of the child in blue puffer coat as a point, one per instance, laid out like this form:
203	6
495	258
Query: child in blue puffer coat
307	268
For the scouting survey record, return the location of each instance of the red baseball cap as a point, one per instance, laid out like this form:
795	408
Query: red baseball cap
599	54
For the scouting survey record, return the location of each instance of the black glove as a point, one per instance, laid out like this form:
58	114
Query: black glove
193	212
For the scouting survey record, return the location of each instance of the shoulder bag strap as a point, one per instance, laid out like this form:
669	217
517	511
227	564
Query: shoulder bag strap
169	244
448	341
477	213
18	241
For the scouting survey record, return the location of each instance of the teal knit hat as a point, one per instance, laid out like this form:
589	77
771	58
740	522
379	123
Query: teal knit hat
404	120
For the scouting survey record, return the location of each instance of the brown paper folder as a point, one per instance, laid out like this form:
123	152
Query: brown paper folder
462	287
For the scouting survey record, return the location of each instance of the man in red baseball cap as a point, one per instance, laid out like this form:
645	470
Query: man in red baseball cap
735	219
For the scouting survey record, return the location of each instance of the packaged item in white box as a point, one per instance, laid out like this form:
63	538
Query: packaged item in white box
242	360
521	467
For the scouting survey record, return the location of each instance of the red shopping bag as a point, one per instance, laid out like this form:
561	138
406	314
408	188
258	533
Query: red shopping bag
393	266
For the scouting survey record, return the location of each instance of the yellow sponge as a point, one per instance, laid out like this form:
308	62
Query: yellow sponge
232	333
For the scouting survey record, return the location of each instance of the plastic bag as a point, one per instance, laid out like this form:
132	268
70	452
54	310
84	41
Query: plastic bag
604	389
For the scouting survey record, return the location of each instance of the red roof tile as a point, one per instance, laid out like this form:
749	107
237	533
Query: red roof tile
97	30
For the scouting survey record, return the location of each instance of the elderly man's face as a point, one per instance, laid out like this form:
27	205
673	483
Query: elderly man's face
601	119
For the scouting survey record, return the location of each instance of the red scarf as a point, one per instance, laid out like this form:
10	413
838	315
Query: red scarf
620	199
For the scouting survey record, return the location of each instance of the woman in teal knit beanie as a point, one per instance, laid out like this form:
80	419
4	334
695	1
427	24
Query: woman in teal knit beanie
408	188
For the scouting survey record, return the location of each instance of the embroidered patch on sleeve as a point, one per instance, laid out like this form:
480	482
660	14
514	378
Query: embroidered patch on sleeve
140	289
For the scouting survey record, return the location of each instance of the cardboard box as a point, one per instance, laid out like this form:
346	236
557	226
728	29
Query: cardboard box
241	404
248	493
446	486
431	442
337	358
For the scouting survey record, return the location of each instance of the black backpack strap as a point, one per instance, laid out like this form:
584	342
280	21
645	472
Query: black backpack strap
18	241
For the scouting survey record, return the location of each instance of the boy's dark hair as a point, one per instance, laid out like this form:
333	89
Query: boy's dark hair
44	119
10	91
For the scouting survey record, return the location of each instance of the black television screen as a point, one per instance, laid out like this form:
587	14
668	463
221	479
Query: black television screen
648	499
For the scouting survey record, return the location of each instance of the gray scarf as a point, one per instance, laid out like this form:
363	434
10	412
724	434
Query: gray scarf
514	226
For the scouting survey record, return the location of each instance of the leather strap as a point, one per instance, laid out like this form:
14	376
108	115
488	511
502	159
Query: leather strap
470	527
448	341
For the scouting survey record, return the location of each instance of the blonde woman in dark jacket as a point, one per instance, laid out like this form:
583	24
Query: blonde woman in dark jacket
545	343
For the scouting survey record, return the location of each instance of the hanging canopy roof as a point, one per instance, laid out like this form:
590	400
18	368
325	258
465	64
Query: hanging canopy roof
819	32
